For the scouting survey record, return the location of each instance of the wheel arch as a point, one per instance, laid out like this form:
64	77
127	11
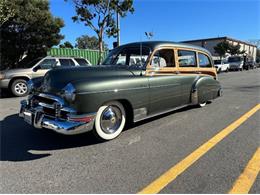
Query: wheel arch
16	78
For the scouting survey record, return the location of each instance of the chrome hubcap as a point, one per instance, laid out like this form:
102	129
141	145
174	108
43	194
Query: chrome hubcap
20	88
111	119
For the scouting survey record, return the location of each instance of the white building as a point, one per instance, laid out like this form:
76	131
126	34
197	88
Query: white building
210	43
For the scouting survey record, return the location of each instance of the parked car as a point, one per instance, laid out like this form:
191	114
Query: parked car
236	63
249	63
105	98
221	65
16	79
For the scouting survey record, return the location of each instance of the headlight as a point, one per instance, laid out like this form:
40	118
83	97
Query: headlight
69	92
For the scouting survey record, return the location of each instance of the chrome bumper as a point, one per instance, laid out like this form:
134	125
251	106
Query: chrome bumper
37	118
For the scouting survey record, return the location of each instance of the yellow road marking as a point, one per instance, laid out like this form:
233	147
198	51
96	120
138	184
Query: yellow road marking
170	175
245	181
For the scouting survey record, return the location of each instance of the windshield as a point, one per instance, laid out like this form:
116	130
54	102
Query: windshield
128	56
217	61
28	64
234	59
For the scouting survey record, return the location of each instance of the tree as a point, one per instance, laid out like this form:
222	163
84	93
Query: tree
66	44
235	49
87	42
221	48
29	32
99	15
6	12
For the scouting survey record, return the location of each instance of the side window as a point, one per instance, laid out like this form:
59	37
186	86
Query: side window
47	63
66	62
81	61
204	61
187	58
163	58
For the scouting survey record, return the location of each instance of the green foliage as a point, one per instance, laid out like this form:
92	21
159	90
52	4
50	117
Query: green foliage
30	31
221	48
66	44
224	47
235	49
6	11
99	15
87	42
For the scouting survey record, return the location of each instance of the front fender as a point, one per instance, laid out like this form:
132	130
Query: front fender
92	94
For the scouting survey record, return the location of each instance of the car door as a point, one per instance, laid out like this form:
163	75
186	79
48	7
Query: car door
164	83
44	66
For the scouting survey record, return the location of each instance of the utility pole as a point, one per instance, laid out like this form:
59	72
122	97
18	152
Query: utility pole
118	28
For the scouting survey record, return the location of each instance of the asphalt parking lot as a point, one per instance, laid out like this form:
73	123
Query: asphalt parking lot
166	154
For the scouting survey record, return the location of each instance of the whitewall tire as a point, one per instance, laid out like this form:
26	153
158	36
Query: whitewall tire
110	120
202	104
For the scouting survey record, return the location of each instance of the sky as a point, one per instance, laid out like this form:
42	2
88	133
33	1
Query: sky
173	20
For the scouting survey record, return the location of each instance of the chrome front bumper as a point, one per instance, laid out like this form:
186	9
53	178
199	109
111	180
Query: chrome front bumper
37	118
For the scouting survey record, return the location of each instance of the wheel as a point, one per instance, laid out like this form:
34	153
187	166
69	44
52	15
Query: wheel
19	87
110	120
227	70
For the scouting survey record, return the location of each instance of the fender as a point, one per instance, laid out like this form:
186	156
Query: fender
205	88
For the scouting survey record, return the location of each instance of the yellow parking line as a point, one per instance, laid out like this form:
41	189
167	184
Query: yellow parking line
170	175
245	181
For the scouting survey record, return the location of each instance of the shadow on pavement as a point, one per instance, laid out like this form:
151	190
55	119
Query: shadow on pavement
18	138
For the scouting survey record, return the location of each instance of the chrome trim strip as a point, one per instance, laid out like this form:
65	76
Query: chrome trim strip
163	112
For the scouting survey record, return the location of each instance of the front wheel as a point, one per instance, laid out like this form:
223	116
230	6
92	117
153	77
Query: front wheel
110	120
19	88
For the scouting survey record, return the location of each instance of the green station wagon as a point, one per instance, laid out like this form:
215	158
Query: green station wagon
136	81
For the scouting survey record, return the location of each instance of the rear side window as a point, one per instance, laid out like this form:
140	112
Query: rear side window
47	63
204	61
66	62
81	61
187	58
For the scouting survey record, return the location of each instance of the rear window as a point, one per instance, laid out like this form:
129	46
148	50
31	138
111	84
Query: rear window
81	61
66	62
204	61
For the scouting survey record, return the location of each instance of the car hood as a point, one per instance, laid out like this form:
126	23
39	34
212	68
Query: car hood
55	80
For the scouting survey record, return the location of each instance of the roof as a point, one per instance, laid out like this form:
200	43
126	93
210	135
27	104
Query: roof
219	38
155	44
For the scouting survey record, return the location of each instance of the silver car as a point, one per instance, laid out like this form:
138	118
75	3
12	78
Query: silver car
16	79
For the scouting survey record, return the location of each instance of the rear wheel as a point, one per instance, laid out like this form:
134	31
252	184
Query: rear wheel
19	87
110	120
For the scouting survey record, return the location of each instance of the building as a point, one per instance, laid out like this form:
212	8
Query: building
210	43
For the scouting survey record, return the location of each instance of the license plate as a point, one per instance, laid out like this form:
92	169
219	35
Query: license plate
28	117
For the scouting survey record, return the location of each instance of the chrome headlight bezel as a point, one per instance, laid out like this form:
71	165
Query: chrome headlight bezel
68	92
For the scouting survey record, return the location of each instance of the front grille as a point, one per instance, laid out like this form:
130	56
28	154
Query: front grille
48	103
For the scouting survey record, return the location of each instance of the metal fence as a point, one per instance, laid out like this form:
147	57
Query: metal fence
91	55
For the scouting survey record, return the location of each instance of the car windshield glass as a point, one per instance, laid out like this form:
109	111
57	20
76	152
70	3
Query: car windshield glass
234	59
217	61
28	64
128	56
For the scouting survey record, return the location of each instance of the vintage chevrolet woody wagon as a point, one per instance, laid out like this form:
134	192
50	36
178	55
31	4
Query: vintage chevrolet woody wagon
136	81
